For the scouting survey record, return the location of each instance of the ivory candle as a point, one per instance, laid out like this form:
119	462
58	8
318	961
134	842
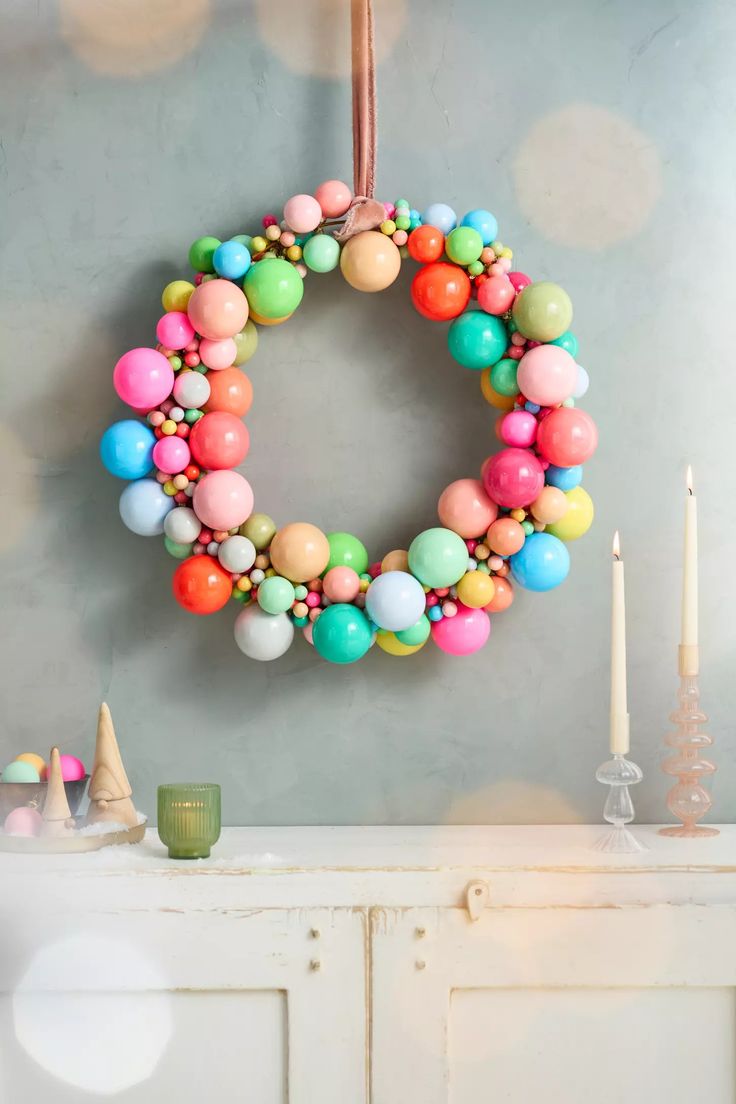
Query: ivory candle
689	633
619	702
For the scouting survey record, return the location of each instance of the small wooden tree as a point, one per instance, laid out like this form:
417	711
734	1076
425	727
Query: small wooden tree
57	816
109	788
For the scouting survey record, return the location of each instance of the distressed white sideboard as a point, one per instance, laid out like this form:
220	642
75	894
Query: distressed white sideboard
387	965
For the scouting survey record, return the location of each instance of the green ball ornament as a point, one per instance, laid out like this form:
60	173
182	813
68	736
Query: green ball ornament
503	377
202	252
275	595
542	311
568	342
244	239
476	339
20	771
260	529
347	551
341	633
417	634
178	551
321	253
464	245
438	557
192	416
273	289
246	342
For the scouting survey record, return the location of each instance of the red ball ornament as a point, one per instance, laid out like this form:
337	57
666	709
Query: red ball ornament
513	477
440	291
219	440
426	244
496	294
201	585
567	437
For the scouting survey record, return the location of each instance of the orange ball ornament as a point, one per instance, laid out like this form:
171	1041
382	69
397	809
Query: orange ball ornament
398	560
505	536
426	244
550	506
503	596
201	585
299	552
495	398
370	261
230	392
440	291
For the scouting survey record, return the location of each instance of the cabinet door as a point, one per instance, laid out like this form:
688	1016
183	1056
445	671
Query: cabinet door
263	1007
563	1005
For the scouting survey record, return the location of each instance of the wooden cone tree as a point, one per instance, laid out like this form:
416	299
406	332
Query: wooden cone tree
109	788
57	816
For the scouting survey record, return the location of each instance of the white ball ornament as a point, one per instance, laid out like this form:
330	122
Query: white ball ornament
582	383
192	390
182	525
237	554
395	600
261	635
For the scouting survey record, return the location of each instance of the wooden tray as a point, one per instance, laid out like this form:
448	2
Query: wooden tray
67	845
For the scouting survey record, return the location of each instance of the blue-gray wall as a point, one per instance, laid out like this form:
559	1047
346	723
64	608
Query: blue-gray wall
602	136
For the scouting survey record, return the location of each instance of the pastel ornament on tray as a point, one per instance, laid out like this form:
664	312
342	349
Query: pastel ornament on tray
57	816
109	789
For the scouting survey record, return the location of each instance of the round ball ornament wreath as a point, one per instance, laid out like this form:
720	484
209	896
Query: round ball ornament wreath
512	522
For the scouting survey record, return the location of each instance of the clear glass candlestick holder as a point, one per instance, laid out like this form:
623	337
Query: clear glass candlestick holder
618	773
189	818
689	800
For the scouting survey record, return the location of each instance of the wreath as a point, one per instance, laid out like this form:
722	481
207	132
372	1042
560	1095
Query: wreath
180	454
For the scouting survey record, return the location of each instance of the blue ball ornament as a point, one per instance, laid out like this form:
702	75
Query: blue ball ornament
441	216
342	634
434	613
395	600
126	449
231	260
564	478
483	222
542	562
144	506
477	340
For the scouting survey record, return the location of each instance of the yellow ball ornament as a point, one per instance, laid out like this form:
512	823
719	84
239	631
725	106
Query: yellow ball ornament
259	318
388	643
476	589
370	261
246	343
501	402
578	519
398	560
176	295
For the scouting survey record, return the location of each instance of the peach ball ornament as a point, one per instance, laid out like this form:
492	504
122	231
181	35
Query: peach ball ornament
398	560
35	760
503	595
550	506
302	214
299	551
217	355
547	375
465	508
370	261
341	584
505	536
334	198
223	499
218	309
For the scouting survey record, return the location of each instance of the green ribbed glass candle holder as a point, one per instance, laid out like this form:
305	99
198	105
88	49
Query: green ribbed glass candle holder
189	818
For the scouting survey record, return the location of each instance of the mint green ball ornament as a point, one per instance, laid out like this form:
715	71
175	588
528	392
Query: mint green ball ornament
20	771
202	252
464	245
503	377
416	634
276	595
273	289
341	633
178	551
438	557
347	551
476	339
542	311
321	253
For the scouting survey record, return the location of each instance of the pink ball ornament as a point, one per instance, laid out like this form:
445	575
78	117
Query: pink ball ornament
465	508
23	822
519	281
463	633
171	454
547	375
518	429
302	214
341	584
218	354
223	499
217	309
334	198
513	477
567	437
174	330
143	378
496	294
72	769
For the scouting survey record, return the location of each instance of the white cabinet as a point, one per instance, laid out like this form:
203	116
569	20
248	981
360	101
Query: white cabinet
342	966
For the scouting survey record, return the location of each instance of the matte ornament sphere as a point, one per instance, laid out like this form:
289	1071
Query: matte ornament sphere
20	771
218	309
72	768
395	600
300	552
263	636
578	517
567	437
542	311
274	289
440	291
438	557
126	449
477	340
542	563
370	261
144	506
201	585
23	821
341	634
513	477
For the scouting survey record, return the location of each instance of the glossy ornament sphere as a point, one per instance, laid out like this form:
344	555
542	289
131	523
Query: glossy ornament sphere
202	253
347	550
341	634
274	289
174	330
341	584
518	429
542	564
438	557
496	294
564	478
426	244
440	215
503	595
464	245
237	554
491	395
567	437
370	261
182	526
144	506
246	343
231	260
321	253
440	291
263	636
299	552
389	643
222	499
302	213
230	391
547	375
550	506
483	222
395	600
201	585
192	390
143	378
505	536
477	340
504	377
218	309
542	311
218	440
513	477
176	295
578	517
260	529
464	633
416	634
334	198
217	355
476	589
171	455
465	508
276	594
126	449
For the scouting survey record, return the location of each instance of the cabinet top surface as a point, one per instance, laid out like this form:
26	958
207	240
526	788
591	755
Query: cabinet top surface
535	848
